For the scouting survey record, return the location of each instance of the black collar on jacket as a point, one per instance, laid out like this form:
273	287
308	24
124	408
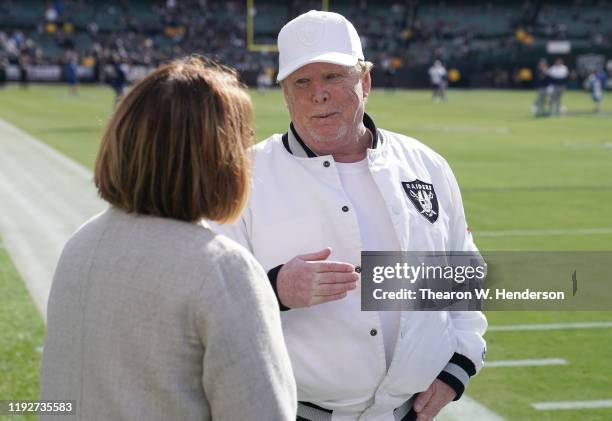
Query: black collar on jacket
296	146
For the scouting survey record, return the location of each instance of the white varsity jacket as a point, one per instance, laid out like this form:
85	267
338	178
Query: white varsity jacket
297	205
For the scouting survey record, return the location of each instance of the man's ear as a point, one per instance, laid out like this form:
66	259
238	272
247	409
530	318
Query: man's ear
366	84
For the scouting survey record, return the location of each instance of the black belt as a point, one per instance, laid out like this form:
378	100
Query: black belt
308	411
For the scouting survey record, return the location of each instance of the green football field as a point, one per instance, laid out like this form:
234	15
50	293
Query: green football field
527	184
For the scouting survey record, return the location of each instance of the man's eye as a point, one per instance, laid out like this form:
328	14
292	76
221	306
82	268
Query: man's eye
333	76
302	81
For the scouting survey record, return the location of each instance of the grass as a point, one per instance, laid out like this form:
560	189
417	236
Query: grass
510	391
21	336
516	173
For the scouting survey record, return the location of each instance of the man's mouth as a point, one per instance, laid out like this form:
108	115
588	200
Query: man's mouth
324	115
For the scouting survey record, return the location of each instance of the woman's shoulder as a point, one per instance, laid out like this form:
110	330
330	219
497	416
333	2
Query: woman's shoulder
229	254
120	239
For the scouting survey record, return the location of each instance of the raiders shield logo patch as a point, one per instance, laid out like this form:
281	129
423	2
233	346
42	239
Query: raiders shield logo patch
423	197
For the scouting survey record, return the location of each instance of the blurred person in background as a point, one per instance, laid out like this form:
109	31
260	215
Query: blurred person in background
558	74
596	84
264	78
439	81
151	315
23	62
70	71
118	78
389	71
542	83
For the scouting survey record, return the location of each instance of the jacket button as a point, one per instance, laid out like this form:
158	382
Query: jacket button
345	208
358	269
373	332
326	164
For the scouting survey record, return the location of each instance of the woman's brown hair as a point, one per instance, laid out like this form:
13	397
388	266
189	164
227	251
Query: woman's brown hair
177	144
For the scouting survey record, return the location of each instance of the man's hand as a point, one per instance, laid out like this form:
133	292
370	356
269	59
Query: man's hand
308	279
430	402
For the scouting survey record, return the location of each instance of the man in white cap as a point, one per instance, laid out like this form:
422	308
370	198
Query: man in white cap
333	185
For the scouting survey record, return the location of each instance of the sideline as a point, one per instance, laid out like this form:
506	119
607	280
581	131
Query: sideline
45	197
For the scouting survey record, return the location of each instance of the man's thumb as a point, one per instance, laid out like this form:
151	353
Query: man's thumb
317	255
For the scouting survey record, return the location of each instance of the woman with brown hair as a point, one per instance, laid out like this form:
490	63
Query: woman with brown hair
151	315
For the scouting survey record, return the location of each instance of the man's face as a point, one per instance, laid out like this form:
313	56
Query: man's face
326	103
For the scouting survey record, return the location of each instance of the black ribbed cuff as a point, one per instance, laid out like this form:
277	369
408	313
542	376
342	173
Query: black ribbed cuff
464	362
453	382
457	373
272	276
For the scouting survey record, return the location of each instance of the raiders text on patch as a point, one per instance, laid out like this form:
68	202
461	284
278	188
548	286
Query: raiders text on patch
423	197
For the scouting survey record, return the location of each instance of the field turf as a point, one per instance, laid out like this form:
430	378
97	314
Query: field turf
21	336
527	183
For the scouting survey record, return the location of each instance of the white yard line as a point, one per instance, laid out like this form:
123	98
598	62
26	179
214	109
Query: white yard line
467	409
544	232
44	198
565	405
535	362
551	326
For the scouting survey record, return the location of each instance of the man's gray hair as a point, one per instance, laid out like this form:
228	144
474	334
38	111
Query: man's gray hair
362	67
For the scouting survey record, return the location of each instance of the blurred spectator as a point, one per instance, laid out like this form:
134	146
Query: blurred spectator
388	67
264	79
558	74
119	77
596	83
92	28
542	83
51	15
58	5
439	81
23	62
70	71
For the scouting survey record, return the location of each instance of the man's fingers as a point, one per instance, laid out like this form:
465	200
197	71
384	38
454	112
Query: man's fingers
337	277
422	399
317	255
323	267
440	395
324	299
431	410
334	289
318	258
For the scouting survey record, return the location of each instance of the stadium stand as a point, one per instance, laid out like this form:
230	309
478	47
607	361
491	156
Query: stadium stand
487	43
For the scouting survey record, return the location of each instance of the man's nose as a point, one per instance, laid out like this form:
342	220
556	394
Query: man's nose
320	94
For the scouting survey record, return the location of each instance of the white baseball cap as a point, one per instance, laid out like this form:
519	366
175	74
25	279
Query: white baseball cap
317	37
